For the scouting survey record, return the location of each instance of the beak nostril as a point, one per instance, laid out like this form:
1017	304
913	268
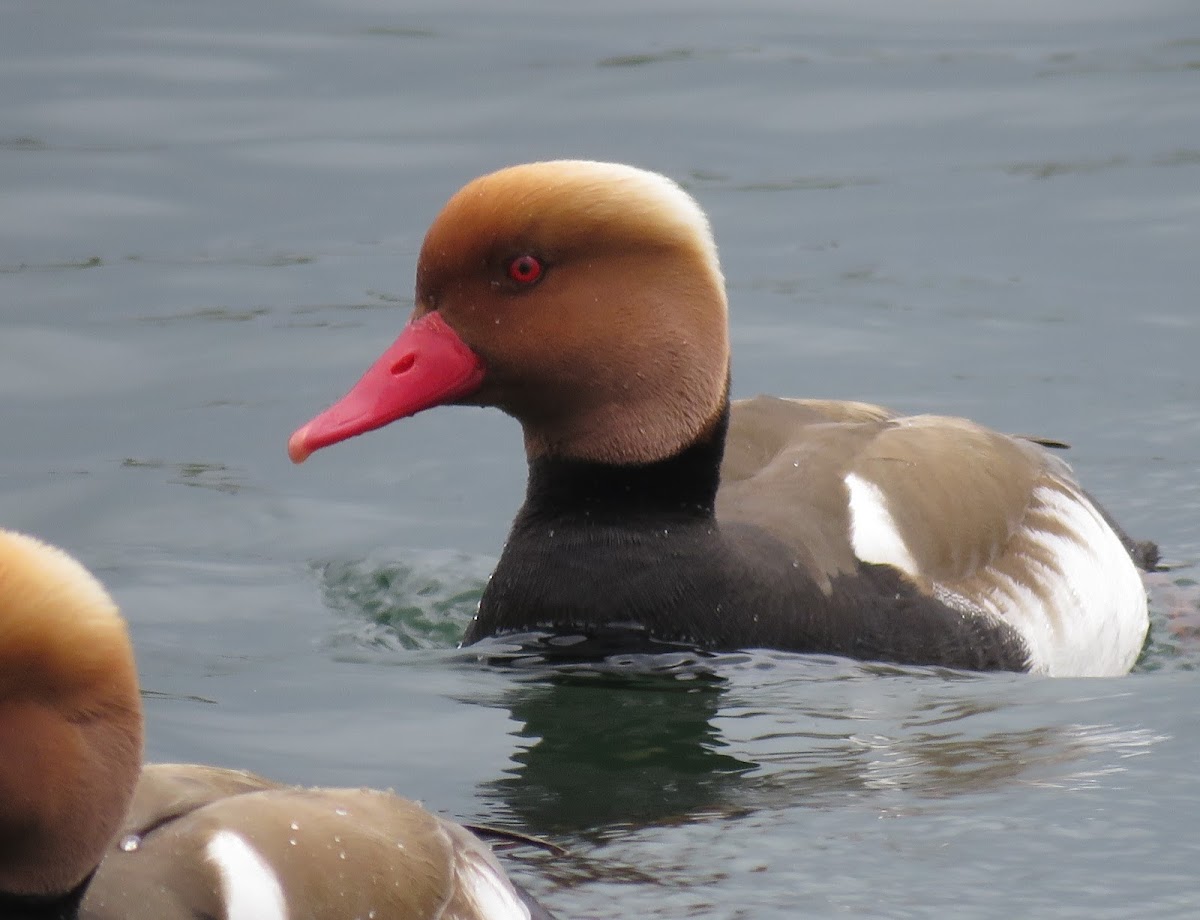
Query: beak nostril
404	364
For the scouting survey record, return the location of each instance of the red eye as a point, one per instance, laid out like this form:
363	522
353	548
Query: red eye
525	269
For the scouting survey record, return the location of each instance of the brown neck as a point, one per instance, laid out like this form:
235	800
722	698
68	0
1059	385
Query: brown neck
644	424
63	799
70	720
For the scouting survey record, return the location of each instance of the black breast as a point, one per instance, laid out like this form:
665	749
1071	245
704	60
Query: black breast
598	546
43	907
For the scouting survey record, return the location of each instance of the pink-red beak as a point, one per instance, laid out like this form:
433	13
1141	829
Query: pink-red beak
428	365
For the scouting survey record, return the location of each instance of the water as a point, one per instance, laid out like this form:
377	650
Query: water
209	216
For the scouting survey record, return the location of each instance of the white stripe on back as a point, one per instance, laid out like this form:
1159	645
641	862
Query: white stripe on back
873	533
488	890
248	884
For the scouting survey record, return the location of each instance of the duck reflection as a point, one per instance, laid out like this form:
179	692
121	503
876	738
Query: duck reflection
629	743
602	750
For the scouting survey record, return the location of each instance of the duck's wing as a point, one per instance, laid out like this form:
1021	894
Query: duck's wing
989	524
205	842
783	469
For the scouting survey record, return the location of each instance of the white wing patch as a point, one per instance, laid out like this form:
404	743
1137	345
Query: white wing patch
873	532
489	891
248	884
1072	592
1082	608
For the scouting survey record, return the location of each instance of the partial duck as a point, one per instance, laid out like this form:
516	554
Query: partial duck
586	300
86	832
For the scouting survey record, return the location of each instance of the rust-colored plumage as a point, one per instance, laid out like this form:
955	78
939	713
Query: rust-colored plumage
828	527
86	832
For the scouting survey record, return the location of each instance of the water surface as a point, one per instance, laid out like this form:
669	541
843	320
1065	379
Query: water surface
209	216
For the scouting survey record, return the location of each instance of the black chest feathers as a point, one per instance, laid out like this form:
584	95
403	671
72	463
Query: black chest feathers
686	578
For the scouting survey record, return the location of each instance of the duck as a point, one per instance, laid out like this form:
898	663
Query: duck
87	832
586	300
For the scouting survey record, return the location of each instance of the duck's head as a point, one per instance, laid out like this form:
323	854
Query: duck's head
584	299
70	719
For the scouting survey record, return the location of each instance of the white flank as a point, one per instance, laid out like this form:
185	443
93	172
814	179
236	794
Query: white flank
873	533
1084	612
489	891
1078	600
249	886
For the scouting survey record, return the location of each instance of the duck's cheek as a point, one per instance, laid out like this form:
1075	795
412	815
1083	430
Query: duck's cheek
428	365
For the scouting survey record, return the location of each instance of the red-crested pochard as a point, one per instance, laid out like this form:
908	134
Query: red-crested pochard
86	832
586	300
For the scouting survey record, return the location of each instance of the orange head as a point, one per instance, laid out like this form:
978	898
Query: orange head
70	718
584	299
